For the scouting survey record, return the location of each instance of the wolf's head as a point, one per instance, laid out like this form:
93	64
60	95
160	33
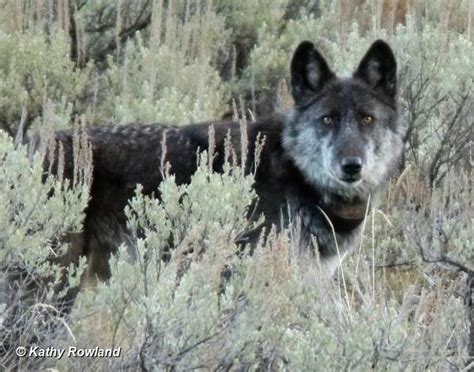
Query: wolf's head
343	133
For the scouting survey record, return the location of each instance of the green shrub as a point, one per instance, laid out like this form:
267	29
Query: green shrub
35	68
37	214
170	78
275	310
396	303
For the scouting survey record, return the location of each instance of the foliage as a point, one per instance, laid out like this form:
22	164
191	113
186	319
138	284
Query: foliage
36	214
33	70
182	294
275	310
171	80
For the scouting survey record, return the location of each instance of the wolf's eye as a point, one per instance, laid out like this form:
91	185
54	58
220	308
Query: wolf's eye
328	120
367	119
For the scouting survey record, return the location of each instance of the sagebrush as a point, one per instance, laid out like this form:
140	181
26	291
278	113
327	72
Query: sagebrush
401	302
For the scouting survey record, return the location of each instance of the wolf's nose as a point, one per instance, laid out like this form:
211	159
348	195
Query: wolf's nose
351	165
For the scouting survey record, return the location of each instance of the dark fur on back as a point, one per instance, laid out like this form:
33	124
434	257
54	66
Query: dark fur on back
324	160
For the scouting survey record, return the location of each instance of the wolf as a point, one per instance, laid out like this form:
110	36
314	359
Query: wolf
321	166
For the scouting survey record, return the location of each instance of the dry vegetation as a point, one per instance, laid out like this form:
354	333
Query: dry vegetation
403	301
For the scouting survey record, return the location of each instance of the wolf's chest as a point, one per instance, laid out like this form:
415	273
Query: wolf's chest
288	205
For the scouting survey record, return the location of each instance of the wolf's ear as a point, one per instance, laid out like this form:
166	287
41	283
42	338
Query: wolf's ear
378	68
309	72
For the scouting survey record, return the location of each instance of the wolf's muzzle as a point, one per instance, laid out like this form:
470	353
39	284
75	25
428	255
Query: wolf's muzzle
351	167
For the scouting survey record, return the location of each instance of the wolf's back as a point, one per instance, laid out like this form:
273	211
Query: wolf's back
125	156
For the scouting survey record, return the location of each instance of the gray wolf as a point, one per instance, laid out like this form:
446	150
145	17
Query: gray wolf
320	165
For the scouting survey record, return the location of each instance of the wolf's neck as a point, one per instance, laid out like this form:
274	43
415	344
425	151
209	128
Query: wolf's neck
343	215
